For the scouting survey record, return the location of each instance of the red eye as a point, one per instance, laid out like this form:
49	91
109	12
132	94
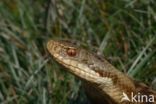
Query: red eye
71	52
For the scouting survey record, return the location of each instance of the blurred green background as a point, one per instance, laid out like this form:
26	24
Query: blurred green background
124	31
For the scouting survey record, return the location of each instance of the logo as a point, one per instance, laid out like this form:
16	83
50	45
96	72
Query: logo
137	98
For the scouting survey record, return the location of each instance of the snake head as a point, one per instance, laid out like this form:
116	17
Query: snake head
77	60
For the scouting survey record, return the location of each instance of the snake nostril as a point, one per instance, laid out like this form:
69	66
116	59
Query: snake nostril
55	47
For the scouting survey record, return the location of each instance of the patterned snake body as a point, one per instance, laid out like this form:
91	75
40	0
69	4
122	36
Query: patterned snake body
103	82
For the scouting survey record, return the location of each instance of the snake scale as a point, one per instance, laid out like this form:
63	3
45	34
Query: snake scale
103	83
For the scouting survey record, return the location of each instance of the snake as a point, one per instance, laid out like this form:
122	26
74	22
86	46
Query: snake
103	83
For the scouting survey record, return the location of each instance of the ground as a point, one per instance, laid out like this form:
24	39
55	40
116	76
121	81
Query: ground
124	31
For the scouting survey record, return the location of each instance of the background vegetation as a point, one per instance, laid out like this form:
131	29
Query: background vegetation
124	31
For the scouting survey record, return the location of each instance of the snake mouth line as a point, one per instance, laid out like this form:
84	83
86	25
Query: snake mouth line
82	71
77	68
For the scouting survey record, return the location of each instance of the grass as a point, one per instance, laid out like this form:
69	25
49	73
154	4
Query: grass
123	31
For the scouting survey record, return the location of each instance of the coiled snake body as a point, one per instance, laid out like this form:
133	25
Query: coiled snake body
104	84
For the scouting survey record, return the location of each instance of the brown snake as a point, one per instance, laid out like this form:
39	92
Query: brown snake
103	83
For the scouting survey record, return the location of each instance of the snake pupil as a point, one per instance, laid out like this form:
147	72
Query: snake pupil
71	52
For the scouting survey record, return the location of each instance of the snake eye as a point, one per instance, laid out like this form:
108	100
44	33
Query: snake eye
71	52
